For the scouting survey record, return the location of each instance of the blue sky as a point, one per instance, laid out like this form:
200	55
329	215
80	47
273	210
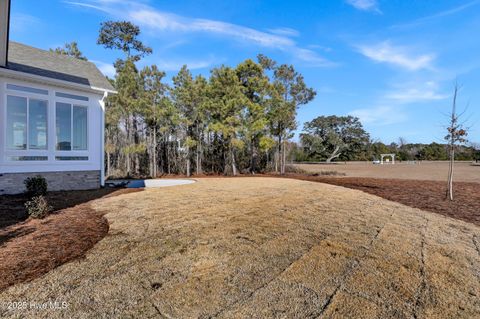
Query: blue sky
393	63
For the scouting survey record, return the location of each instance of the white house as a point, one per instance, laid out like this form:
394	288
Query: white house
51	117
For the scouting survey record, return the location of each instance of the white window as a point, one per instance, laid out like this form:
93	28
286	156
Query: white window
71	127
26	123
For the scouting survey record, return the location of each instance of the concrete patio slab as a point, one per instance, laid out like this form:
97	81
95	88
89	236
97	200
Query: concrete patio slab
155	183
149	183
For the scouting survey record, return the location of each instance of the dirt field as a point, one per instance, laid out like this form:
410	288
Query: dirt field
435	171
264	247
426	195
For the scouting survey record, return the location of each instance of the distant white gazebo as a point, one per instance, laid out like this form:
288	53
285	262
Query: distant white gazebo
382	156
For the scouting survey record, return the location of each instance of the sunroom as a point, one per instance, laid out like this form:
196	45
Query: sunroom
51	116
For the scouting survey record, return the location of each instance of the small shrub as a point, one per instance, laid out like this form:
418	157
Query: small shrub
36	186
38	207
328	173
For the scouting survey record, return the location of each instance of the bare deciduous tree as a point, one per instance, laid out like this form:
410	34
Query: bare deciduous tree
456	135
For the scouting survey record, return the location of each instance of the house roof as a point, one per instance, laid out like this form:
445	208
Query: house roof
27	59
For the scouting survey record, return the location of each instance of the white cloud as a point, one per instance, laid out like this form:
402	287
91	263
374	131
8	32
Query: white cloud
165	65
106	68
320	47
416	92
396	55
380	115
438	15
391	107
288	32
364	5
88	5
176	65
311	57
173	44
163	22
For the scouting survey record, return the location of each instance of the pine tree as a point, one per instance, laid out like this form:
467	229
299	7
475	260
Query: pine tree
70	49
226	100
256	89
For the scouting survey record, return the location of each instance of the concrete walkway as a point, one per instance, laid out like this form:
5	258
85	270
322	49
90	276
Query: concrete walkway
151	183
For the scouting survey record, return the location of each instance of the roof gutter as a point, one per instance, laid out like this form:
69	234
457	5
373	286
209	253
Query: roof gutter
45	80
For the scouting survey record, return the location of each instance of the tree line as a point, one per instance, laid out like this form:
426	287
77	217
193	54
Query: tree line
239	119
343	138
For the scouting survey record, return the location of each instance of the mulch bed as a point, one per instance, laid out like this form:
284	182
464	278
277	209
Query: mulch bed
425	195
33	247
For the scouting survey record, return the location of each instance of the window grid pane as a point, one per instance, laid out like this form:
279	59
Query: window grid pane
79	127
71	96
26	89
71	158
28	158
64	126
37	124
16	123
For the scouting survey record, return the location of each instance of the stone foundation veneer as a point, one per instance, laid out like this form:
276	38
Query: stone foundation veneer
12	183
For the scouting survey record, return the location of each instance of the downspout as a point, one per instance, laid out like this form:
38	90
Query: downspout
102	144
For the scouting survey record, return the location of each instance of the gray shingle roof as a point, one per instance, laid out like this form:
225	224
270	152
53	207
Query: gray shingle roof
24	58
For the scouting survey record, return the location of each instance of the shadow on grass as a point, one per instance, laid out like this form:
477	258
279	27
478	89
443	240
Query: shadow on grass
12	207
31	247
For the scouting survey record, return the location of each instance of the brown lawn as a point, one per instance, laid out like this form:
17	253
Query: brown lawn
435	171
264	247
